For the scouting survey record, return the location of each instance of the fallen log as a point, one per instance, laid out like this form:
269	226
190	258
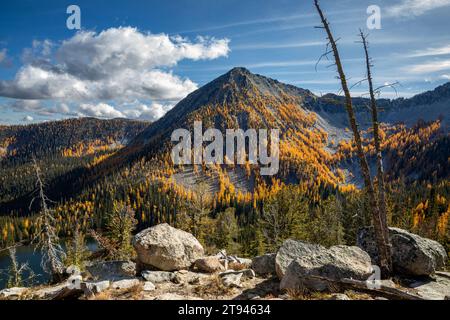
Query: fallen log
381	289
67	293
443	274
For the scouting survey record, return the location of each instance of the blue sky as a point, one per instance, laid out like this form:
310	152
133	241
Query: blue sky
136	59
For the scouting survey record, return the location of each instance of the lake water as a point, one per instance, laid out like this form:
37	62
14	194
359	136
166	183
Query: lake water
27	254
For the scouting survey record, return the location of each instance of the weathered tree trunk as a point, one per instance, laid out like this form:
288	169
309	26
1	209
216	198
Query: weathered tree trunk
15	274
379	156
47	235
376	217
385	289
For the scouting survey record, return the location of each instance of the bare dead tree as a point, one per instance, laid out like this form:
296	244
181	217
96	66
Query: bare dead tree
47	236
382	241
17	270
377	142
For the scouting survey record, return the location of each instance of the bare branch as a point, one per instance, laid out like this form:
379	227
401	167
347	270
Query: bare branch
358	83
375	211
320	58
388	85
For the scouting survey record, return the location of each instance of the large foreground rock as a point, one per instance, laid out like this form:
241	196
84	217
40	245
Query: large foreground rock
291	250
312	271
411	254
167	248
436	288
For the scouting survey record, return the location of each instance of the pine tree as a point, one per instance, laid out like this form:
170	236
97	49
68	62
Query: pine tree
77	251
226	230
118	234
283	216
198	210
16	271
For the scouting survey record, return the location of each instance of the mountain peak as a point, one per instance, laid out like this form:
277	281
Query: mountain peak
239	70
240	91
239	76
241	80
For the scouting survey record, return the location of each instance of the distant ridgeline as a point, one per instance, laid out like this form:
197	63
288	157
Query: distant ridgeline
89	165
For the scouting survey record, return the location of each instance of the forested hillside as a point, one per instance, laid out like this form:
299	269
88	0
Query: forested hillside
60	147
315	196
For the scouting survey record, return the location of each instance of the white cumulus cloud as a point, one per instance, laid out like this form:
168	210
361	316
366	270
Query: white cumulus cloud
27	119
408	8
116	65
93	56
100	110
154	111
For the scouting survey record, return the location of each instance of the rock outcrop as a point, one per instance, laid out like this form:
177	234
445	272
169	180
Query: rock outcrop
436	288
316	270
185	273
411	254
167	248
293	249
